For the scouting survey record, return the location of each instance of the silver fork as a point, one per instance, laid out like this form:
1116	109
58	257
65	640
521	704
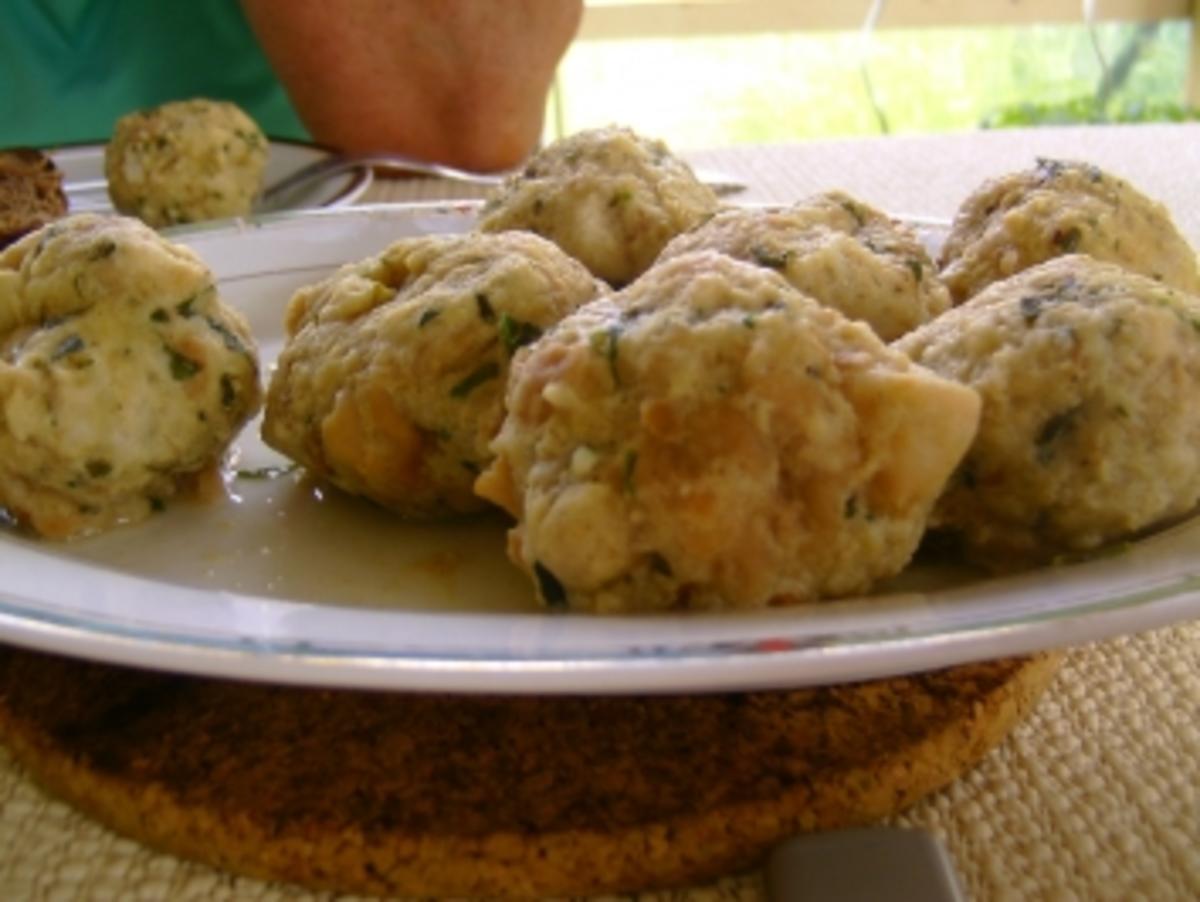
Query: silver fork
274	197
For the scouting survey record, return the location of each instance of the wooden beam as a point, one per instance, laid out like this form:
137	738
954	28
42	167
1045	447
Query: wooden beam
617	19
1193	77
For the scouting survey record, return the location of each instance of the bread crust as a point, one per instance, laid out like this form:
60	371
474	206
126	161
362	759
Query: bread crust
31	193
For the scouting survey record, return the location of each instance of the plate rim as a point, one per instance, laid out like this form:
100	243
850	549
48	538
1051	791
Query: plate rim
770	663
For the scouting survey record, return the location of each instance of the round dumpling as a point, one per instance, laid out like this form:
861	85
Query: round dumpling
1090	430
711	438
122	374
1059	208
391	383
838	251
608	197
185	161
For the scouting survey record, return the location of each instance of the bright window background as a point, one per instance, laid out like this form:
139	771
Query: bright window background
707	91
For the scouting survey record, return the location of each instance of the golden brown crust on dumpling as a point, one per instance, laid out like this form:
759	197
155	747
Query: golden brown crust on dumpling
712	438
392	381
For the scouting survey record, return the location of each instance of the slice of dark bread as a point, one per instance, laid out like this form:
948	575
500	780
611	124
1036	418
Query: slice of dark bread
31	193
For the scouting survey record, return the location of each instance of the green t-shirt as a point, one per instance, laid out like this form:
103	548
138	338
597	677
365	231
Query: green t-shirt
70	68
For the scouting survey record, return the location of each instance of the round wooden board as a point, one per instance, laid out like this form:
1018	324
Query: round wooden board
382	793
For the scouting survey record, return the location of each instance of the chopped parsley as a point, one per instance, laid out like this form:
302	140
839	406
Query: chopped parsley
72	344
515	333
104	248
1031	308
250	138
769	257
1056	427
228	338
97	468
660	564
182	367
854	210
620	196
1049	169
551	590
486	313
604	343
1067	240
228	391
629	470
481	374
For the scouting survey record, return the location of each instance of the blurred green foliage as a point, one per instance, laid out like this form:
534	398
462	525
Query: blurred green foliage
706	91
1088	110
1131	86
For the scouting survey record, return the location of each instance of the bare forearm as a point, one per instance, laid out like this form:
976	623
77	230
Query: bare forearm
462	81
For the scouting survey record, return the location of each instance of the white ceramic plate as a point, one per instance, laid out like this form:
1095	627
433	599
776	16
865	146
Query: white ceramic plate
82	167
289	582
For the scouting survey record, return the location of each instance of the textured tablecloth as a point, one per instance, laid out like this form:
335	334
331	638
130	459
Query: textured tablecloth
1096	796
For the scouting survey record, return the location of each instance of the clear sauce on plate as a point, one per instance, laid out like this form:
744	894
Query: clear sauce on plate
274	532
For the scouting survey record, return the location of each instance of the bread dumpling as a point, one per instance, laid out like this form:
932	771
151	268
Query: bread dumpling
712	438
185	161
122	374
1057	208
837	250
608	197
391	381
1090	431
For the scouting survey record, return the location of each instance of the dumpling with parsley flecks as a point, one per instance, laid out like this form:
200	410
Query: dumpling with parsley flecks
837	250
122	374
712	438
1062	207
391	381
608	197
185	161
1089	376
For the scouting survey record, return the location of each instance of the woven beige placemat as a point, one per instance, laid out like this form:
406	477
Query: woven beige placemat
923	176
1093	797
